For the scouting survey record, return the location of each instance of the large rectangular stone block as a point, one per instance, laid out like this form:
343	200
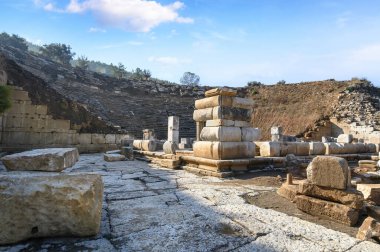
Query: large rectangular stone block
213	101
224	150
303	149
98	138
270	149
334	211
250	134
110	139
228	123
288	148
19	95
349	197
221	133
317	148
84	138
331	172
35	205
236	114
53	159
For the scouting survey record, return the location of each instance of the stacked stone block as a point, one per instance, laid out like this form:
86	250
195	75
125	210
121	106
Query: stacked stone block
226	133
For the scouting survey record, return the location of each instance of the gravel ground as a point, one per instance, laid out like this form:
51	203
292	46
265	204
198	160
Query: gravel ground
148	208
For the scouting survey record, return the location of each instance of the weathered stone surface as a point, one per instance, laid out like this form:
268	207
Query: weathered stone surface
250	134
371	192
224	150
221	134
317	148
288	191
270	149
113	157
244	103
53	159
302	149
49	205
373	211
369	229
220	91
350	197
214	101
170	147
219	112
334	211
145	145
224	122
331	172
345	138
287	148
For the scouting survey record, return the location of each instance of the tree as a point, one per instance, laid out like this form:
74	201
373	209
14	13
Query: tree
147	74
14	40
190	79
58	52
83	62
281	82
5	102
254	83
118	71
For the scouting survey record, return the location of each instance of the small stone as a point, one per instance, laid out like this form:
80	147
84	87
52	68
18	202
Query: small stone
113	157
288	191
51	159
327	171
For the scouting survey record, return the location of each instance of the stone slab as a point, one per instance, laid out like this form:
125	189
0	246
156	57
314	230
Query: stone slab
49	205
288	191
113	157
220	91
51	159
224	150
369	229
334	211
270	149
350	197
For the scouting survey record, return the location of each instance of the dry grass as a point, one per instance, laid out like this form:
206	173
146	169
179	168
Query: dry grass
295	107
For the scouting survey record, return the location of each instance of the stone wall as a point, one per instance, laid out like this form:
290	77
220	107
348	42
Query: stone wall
26	126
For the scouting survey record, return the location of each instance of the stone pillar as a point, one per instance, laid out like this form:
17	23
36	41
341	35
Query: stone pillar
173	129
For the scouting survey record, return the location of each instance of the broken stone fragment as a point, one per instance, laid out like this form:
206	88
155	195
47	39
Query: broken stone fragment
330	172
371	192
34	205
288	191
220	91
170	147
349	197
113	157
345	138
369	229
145	145
127	152
334	211
51	159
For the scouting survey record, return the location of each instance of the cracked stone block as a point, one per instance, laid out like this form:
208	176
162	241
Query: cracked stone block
35	205
51	159
334	211
350	197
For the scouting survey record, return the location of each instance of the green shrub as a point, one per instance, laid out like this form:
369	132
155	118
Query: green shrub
5	101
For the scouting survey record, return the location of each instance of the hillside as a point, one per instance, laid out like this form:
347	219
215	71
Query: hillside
98	102
131	104
302	108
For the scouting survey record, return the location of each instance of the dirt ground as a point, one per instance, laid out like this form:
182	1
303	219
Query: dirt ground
271	200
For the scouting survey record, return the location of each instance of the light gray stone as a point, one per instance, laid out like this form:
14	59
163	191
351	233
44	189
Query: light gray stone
53	159
327	171
49	205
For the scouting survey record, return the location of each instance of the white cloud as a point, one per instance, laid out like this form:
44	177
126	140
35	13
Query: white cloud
168	60
95	29
130	15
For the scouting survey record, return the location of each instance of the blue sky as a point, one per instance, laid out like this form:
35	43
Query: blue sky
225	42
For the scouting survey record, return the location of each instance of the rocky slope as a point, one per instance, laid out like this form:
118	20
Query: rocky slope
129	103
95	102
